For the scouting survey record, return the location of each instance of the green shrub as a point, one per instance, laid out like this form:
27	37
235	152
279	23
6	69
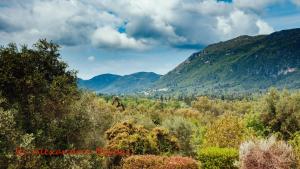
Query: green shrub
183	129
280	113
162	141
218	158
254	123
100	116
159	162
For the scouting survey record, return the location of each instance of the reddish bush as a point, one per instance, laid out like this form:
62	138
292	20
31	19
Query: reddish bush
178	162
266	154
159	162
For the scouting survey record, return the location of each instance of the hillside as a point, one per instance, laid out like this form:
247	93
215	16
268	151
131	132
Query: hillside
245	63
115	84
98	82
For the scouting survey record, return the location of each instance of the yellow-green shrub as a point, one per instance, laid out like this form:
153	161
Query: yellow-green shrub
128	136
159	162
295	142
138	140
218	158
226	131
218	107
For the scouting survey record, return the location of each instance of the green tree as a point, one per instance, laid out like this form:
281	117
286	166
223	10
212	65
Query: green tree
37	82
280	113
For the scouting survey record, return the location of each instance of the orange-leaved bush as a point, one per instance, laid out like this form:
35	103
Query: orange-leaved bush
159	162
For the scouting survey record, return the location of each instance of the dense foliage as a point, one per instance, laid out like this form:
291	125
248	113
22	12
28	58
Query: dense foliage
281	113
37	82
214	157
138	140
42	108
227	131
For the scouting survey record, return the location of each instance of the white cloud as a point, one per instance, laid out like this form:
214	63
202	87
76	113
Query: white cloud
147	23
107	37
264	28
240	23
66	22
91	58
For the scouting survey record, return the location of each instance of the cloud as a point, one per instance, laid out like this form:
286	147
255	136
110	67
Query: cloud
297	2
107	37
145	24
7	26
264	28
189	23
91	58
256	5
239	23
66	22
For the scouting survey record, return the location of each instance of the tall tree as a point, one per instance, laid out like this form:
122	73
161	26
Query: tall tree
36	81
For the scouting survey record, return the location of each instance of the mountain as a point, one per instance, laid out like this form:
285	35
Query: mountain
115	84
243	64
99	82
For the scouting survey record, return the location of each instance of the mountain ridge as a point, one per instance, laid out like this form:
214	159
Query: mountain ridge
242	64
262	61
116	84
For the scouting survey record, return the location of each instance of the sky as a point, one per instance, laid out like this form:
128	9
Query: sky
127	36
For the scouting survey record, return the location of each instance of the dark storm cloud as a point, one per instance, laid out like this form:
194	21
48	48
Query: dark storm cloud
8	27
